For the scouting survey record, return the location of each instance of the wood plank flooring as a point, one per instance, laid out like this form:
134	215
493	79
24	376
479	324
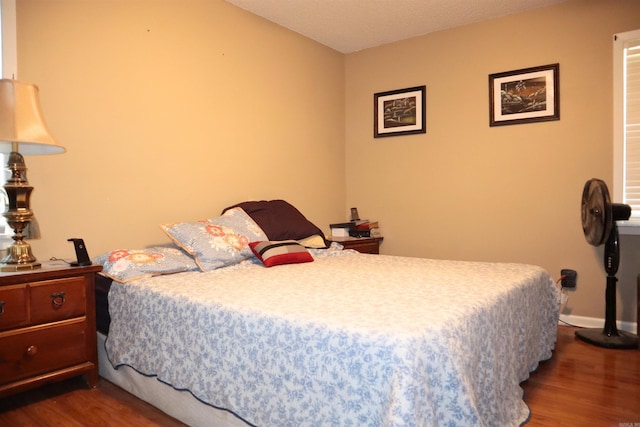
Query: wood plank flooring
72	404
585	385
581	385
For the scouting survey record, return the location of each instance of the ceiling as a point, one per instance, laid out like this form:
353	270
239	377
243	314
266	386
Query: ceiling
352	25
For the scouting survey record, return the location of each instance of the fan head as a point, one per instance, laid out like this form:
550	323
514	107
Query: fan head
597	216
598	213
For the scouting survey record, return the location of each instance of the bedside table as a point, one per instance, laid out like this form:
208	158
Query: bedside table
365	245
47	326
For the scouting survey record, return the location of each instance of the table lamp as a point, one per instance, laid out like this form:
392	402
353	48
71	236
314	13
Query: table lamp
22	131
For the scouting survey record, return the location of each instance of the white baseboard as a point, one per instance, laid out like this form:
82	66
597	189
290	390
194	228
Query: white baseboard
593	322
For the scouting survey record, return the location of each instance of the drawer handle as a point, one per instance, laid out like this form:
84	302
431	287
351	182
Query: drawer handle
57	299
2	307
32	351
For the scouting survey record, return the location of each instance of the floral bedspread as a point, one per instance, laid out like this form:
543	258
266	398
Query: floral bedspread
347	340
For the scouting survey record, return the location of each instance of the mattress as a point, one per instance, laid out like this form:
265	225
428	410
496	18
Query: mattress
349	339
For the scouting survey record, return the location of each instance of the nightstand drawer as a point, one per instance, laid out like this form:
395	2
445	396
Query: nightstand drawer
35	350
14	310
367	248
57	299
365	245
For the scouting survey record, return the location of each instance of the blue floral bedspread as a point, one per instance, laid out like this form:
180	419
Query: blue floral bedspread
347	340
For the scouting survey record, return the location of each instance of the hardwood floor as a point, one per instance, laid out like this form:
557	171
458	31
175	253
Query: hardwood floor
581	385
72	404
585	385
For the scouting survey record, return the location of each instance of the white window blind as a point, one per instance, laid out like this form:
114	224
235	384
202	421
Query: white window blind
626	124
632	127
3	203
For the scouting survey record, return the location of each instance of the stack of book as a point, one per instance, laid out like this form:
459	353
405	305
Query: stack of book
365	228
359	228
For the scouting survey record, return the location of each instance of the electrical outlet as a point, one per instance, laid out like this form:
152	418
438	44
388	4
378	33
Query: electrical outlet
569	278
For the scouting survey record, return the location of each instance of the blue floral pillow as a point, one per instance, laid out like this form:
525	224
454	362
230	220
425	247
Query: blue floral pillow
217	242
125	265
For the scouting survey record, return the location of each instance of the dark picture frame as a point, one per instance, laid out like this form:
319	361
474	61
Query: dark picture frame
527	95
400	112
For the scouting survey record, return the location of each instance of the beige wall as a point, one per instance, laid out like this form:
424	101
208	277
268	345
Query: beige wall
171	110
465	190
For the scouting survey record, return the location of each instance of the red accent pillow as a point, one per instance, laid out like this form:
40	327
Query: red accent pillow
282	252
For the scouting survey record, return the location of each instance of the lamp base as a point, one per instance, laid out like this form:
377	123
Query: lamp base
8	268
18	258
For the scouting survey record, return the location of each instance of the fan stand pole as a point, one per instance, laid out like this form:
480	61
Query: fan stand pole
610	336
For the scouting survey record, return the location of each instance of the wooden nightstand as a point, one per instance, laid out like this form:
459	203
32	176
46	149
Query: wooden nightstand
47	326
366	245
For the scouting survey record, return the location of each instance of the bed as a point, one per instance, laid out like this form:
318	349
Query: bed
324	337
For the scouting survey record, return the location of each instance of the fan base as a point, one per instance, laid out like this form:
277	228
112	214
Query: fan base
624	340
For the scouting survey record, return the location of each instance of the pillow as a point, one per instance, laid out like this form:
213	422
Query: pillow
217	242
282	252
280	220
125	265
313	242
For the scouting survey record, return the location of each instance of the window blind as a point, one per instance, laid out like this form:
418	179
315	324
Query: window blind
632	127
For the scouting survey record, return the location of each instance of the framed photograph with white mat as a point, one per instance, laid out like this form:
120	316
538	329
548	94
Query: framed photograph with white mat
524	96
400	112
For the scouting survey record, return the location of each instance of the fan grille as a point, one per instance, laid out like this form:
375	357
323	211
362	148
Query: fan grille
596	212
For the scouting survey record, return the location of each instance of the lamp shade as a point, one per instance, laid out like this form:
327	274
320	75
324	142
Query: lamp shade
22	126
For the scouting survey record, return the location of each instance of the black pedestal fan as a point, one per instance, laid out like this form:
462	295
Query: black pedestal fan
599	218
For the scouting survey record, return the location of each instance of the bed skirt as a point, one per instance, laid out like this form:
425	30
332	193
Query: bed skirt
181	405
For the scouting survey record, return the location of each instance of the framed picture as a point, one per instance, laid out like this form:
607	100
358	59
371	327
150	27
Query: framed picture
400	112
524	96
